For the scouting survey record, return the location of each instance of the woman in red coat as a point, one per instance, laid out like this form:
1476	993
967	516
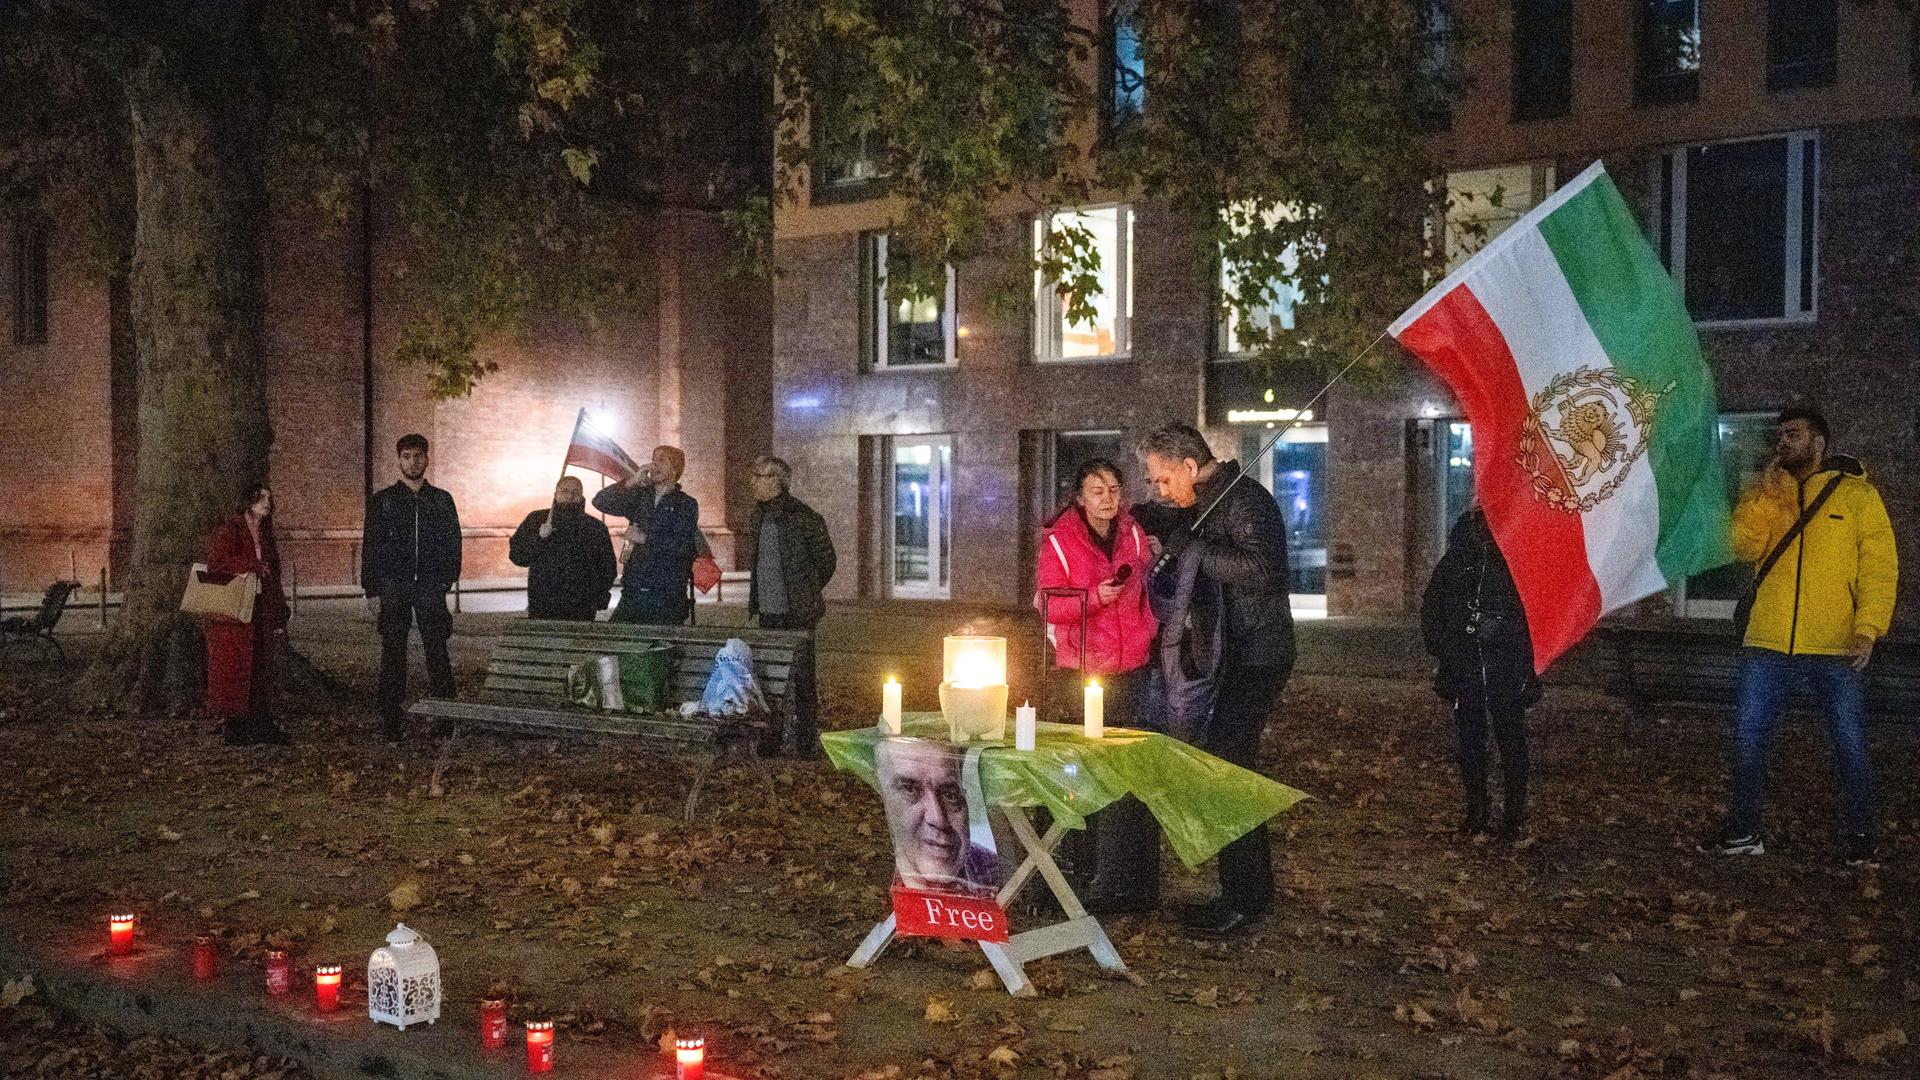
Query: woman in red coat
240	656
1096	549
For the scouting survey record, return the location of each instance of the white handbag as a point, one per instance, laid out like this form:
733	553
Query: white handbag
232	600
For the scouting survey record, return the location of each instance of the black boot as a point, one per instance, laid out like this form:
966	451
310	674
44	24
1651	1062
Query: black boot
1479	816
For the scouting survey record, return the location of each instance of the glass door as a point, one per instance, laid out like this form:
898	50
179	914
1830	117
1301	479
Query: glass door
921	490
1296	473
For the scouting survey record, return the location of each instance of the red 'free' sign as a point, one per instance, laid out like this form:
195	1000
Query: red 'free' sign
947	915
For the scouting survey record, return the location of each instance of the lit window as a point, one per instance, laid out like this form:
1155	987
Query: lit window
1108	232
1482	203
921	500
1250	305
898	329
1125	80
1736	225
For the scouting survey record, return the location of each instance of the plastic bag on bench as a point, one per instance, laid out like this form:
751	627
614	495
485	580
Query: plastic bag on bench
628	682
731	689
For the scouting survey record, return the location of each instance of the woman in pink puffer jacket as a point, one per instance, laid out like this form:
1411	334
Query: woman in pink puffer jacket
1096	548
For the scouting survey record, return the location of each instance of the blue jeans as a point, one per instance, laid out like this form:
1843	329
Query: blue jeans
1766	677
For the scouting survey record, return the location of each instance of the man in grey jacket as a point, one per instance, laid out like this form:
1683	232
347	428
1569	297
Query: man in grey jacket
792	559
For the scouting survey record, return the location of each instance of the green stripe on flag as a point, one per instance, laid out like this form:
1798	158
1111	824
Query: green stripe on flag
1642	323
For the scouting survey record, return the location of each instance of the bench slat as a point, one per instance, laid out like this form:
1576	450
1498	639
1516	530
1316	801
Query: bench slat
553	720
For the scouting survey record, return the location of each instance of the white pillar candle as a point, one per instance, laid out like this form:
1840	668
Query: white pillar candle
1096	710
890	707
1026	727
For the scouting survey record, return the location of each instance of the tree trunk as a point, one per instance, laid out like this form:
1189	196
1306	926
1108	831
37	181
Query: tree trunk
198	109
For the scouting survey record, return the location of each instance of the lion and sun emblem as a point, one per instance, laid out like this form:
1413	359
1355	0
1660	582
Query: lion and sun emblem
1594	424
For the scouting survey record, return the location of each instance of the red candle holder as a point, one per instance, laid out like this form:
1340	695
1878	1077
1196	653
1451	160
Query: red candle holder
493	1024
120	934
326	987
206	957
539	1046
279	976
689	1058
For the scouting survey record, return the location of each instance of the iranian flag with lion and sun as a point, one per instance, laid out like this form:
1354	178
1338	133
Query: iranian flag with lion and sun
1592	408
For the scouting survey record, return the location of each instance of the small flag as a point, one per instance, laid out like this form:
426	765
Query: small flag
592	449
1593	410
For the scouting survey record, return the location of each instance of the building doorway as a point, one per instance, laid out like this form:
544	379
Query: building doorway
1296	473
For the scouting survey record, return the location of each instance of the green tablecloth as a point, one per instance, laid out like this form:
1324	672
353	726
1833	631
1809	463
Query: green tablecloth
1202	803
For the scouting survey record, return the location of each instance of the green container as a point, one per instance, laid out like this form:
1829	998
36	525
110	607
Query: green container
623	682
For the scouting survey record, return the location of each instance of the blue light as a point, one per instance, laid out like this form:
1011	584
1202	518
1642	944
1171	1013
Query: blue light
804	401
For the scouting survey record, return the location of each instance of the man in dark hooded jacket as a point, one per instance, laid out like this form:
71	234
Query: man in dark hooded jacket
568	555
1242	567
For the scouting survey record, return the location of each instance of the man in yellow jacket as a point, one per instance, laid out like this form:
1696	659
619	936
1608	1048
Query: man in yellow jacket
1816	616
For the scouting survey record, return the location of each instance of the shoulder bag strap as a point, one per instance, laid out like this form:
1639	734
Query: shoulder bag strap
1766	566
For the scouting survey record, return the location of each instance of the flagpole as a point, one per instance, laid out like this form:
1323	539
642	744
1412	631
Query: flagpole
1299	415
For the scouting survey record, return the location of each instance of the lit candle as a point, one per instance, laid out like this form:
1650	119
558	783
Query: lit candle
539	1046
1026	727
689	1058
206	956
493	1024
120	934
1096	710
326	987
279	980
890	707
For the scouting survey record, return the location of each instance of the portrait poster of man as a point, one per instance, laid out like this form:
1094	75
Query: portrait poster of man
946	864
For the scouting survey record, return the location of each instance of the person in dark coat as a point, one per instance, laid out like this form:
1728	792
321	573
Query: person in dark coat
1476	631
792	559
409	558
241	656
663	537
568	555
1241	566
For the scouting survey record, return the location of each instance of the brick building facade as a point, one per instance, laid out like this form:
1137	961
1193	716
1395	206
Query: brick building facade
1796	240
680	360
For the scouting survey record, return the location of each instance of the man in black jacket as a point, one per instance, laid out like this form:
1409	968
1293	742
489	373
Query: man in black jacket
1243	551
663	536
791	557
409	558
568	555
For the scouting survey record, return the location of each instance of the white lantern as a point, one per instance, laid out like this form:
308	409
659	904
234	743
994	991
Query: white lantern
973	696
403	980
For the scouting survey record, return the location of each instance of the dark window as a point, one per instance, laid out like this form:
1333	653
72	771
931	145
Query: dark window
1071	449
1667	52
845	169
1542	58
1435	99
1737	226
29	283
1124	70
902	326
1801	44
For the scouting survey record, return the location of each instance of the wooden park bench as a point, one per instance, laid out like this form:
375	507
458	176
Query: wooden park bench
526	689
1699	667
39	626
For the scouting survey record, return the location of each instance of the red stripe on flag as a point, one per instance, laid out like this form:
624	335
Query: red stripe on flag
1545	548
592	457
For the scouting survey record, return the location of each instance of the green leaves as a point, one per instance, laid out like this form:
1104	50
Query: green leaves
962	112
